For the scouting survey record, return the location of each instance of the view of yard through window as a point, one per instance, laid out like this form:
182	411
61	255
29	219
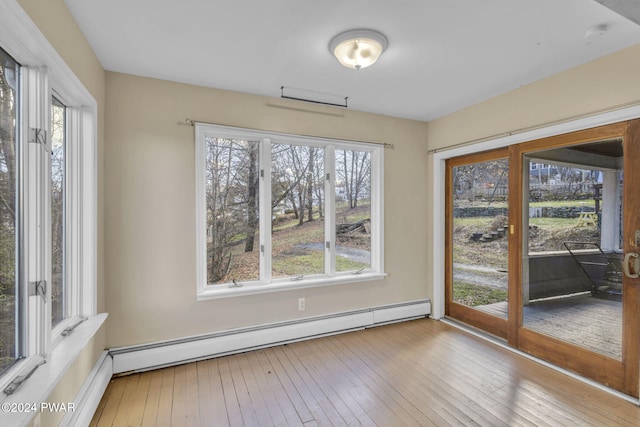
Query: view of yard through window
558	196
58	136
298	203
8	214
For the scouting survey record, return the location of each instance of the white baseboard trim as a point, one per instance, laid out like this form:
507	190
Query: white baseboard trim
88	397
168	353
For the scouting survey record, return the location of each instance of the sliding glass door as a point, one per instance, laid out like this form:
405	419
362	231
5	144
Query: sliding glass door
579	217
478	250
542	249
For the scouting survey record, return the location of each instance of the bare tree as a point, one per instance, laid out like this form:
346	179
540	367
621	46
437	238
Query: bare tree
232	201
252	196
7	144
354	170
8	175
310	184
297	182
58	124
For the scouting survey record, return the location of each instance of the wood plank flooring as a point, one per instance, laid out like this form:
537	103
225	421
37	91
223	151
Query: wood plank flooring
418	373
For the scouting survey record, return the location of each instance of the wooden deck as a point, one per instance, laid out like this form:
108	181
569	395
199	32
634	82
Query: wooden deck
419	373
592	323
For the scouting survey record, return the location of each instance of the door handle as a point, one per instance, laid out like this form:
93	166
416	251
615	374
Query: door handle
631	265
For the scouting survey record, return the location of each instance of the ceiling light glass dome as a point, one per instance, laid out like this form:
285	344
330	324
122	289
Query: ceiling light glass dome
358	48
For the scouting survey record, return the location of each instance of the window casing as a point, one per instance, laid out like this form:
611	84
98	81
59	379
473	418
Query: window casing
41	90
278	211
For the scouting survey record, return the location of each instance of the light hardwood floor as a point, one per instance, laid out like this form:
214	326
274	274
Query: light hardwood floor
422	372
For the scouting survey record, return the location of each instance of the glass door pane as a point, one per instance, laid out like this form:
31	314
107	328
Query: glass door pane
479	227
572	272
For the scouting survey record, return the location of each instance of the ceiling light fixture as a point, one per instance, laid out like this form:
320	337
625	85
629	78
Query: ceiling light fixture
358	48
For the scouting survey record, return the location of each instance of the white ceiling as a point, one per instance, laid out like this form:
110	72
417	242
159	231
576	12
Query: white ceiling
443	55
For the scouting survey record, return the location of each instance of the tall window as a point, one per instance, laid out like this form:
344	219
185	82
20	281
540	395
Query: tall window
58	197
353	209
48	210
232	209
9	342
297	202
285	209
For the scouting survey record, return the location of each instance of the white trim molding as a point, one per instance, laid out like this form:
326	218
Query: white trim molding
206	133
168	353
88	397
48	375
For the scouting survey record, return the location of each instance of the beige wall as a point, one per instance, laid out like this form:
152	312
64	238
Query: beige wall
146	259
605	83
150	209
55	21
149	190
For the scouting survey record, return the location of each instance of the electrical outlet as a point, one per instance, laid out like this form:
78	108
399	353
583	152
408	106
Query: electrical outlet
301	304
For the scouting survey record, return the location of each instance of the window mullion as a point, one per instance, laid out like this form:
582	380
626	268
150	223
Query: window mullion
265	211
201	209
377	217
36	227
83	143
72	223
329	211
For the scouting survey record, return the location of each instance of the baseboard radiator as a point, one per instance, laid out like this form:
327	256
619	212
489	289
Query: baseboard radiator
174	352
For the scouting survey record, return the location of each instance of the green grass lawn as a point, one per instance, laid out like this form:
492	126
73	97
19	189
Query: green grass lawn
310	263
290	259
475	295
540	222
547	204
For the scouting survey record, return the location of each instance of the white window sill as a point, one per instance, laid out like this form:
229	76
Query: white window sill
39	386
224	291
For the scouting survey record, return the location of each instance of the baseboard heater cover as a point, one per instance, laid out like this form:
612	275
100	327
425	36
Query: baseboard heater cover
168	353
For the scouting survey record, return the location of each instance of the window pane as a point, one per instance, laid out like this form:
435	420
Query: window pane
58	138
297	200
557	195
232	190
353	210
480	239
8	211
572	273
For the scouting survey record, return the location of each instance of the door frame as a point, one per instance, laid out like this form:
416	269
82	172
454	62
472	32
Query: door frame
622	376
492	324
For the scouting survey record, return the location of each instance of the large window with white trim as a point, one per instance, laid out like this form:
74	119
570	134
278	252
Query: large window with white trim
47	211
278	210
